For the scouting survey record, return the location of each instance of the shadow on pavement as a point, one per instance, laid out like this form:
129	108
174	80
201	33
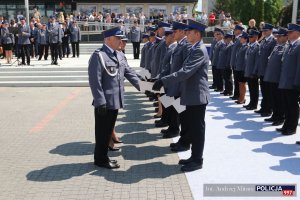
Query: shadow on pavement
140	138
134	174
290	165
279	149
74	149
131	152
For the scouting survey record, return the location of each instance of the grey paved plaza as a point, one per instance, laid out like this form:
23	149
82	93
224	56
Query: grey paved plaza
47	140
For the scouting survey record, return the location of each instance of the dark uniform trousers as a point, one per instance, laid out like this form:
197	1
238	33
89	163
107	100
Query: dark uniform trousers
236	92
184	140
43	50
104	125
136	49
173	118
254	91
75	49
196	129
227	76
25	51
214	74
276	101
219	79
266	98
65	49
291	109
54	51
60	51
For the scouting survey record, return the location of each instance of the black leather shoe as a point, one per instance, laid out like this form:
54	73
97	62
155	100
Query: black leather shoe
173	145
246	106
280	129
212	87
155	104
161	124
157	121
227	94
298	142
234	98
266	114
251	108
185	161
171	134
271	119
113	161
288	132
259	111
223	92
192	166
107	165
179	148
156	110
113	148
164	130
240	102
277	123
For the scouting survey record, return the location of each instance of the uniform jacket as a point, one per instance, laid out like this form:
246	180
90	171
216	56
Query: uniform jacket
273	70
42	37
178	56
265	49
24	34
106	89
54	33
166	61
240	58
135	34
75	34
224	56
193	77
66	35
212	46
235	47
149	55
251	59
289	76
144	53
217	49
7	37
159	51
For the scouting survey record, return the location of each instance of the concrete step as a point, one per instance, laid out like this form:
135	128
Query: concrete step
41	68
43	73
44	78
44	84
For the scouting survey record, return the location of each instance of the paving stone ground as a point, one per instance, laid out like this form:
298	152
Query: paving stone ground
47	141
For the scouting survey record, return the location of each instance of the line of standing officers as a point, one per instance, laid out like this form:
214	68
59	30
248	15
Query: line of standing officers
273	65
34	40
177	59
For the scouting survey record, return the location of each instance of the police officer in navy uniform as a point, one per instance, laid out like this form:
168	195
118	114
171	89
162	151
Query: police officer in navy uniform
240	67
75	39
272	76
173	129
149	53
135	36
238	30
251	61
193	77
211	55
55	38
289	78
215	61
24	34
144	50
266	47
107	70
43	42
224	64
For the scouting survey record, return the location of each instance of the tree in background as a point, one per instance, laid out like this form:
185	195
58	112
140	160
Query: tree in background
285	15
244	10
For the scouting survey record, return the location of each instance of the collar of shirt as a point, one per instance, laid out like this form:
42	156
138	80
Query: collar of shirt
239	36
180	42
293	42
195	45
172	45
112	51
268	38
252	44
